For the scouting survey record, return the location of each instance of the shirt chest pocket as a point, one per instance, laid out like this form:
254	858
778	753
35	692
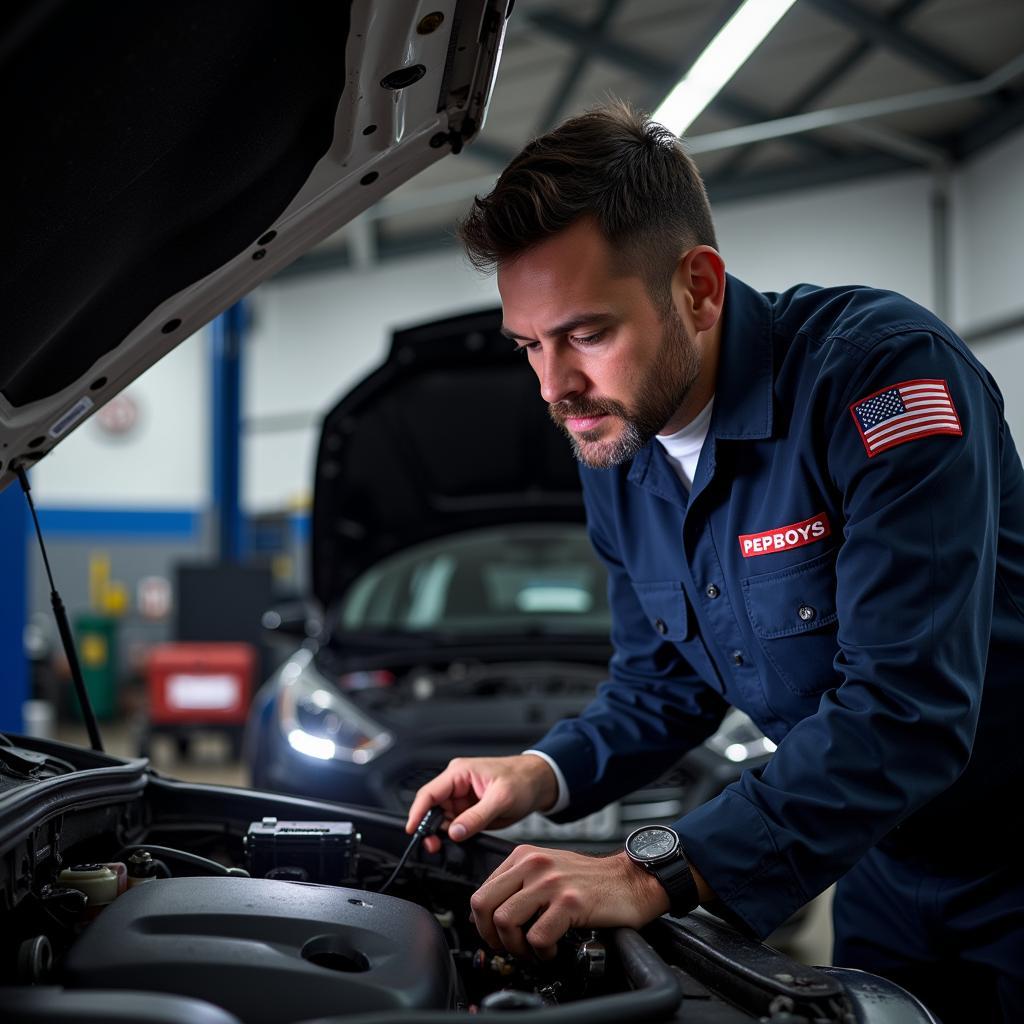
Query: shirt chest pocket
793	615
666	609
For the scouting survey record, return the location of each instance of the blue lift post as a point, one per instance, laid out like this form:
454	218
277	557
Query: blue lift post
14	677
228	337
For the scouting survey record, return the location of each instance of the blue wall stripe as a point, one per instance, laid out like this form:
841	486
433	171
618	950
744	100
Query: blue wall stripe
302	523
14	688
178	524
128	523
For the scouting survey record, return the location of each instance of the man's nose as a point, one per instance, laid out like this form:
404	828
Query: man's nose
559	378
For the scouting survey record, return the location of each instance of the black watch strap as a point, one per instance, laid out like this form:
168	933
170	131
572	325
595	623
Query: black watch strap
677	880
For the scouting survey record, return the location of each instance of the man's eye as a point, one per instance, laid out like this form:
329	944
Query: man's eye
586	339
528	346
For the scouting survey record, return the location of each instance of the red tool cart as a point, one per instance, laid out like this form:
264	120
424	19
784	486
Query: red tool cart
198	686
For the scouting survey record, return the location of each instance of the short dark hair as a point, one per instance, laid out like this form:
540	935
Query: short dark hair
612	163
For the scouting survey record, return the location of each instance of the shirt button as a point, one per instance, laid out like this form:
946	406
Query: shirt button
659	625
737	657
807	613
712	591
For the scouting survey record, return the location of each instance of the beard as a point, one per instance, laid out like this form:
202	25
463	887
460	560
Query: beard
659	392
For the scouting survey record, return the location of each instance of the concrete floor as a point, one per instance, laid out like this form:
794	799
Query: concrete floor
209	761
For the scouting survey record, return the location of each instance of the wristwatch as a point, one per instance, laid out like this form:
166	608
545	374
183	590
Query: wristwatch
656	848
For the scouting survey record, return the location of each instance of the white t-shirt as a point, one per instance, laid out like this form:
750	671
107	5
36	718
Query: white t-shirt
683	447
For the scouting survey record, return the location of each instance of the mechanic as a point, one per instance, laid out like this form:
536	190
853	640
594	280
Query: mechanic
810	508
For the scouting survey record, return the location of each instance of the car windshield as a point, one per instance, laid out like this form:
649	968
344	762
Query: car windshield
519	579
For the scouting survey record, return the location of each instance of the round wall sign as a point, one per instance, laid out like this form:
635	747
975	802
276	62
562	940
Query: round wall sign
119	416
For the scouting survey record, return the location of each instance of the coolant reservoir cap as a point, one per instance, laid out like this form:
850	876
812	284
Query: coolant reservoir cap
97	881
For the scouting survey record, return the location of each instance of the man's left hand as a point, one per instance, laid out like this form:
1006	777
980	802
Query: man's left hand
537	895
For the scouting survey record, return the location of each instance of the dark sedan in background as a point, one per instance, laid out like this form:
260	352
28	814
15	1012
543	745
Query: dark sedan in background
464	609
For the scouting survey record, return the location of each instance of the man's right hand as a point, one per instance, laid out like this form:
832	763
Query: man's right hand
484	792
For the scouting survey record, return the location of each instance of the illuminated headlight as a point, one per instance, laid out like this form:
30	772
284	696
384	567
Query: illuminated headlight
319	722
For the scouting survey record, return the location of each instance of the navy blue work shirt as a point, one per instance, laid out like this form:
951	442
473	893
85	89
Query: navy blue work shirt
848	569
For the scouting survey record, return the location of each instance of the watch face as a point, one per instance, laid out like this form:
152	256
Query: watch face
652	843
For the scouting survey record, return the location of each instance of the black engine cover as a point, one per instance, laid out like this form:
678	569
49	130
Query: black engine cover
267	951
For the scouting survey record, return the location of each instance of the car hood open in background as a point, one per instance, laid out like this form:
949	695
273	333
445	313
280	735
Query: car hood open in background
162	160
449	434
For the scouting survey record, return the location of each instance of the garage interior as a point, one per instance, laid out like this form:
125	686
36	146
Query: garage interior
877	142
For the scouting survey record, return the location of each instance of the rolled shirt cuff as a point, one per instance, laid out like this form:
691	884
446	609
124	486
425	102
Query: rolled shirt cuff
563	790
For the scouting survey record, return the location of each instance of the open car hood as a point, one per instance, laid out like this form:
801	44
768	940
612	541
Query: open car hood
449	434
162	160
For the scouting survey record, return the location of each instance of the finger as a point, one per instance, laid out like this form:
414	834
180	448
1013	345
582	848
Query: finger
511	917
437	792
537	857
544	933
491	806
432	844
432	794
491	895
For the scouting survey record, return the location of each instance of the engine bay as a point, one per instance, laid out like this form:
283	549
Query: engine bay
130	897
165	892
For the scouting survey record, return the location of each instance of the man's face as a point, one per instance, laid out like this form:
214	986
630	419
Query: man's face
614	369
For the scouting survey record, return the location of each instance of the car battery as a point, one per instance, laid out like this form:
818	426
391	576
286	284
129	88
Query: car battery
302	851
200	683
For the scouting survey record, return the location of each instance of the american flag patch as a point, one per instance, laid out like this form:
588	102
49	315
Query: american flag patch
905	412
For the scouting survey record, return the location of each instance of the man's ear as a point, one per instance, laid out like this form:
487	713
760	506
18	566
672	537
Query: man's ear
698	287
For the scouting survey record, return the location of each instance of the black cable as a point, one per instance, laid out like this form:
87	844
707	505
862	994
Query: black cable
215	867
63	626
427	827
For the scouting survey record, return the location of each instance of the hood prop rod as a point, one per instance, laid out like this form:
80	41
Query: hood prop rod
63	627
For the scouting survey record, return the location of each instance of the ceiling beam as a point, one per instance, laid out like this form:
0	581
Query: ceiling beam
814	120
819	85
657	72
888	33
567	85
644	65
813	175
983	133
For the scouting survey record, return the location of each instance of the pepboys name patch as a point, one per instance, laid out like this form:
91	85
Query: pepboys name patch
782	538
905	412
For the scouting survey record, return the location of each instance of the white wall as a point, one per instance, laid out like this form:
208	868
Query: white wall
876	232
989	234
989	263
163	463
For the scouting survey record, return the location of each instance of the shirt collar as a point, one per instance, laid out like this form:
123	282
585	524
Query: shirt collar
744	388
744	384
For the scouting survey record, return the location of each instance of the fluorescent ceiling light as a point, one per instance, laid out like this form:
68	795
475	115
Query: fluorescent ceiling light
742	34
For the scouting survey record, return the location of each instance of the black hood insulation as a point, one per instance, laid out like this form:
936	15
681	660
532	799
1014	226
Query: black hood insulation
145	145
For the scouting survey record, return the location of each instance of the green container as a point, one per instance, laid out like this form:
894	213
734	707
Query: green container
96	639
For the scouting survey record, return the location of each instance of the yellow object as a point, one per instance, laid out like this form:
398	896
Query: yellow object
106	596
94	650
99	579
115	600
282	567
